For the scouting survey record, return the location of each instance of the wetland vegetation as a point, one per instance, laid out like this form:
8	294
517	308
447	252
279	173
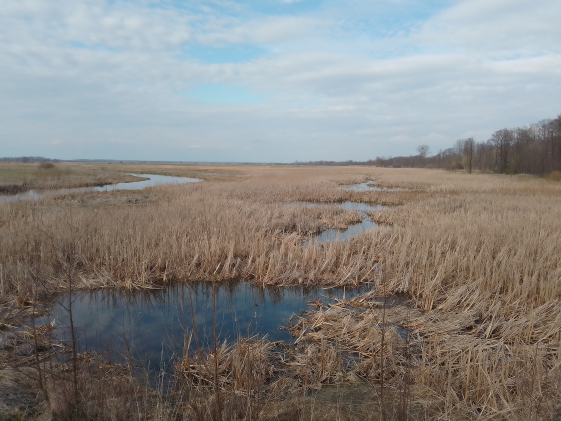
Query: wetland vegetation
458	316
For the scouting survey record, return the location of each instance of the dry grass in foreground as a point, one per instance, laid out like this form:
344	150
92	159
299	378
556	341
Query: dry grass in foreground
478	255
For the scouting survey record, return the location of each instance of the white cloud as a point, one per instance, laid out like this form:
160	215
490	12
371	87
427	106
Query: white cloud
93	72
400	139
500	28
268	30
433	137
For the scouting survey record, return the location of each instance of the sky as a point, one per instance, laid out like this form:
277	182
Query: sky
271	80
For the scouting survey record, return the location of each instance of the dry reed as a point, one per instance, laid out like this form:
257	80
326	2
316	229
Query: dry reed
479	257
19	177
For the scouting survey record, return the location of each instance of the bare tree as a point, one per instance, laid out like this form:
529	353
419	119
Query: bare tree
423	150
468	152
533	149
421	158
502	140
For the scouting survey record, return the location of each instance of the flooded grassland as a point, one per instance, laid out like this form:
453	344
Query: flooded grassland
258	291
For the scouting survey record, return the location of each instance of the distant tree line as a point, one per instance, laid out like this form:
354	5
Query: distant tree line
338	163
25	159
534	149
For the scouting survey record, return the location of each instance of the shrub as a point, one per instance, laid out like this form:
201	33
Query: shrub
554	176
46	165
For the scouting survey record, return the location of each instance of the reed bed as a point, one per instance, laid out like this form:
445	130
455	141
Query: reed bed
201	233
20	177
478	256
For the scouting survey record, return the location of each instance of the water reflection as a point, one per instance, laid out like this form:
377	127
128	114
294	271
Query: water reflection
151	325
351	231
367	186
152	180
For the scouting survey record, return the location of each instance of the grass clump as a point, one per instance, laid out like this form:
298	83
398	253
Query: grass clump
11	417
554	176
46	165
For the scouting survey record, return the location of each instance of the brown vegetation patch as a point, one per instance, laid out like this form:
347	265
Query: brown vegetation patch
478	255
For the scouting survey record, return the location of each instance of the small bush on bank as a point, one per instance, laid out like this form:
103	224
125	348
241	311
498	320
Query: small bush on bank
554	176
46	165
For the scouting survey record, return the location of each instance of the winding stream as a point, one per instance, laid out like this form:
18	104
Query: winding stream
152	180
354	229
333	234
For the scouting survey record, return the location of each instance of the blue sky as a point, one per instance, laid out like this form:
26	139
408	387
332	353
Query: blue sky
270	80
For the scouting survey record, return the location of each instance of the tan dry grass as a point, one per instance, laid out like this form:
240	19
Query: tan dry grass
217	230
18	177
479	255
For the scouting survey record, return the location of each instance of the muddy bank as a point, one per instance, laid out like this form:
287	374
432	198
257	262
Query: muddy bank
13	188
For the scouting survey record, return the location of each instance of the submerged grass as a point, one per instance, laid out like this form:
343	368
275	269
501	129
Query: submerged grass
478	255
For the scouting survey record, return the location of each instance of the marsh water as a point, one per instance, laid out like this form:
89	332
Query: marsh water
151	325
150	181
367	186
352	230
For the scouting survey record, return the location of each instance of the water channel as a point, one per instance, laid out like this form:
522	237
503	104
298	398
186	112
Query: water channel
367	186
150	326
150	181
352	230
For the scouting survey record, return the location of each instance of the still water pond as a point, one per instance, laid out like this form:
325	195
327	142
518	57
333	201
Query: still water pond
151	180
151	325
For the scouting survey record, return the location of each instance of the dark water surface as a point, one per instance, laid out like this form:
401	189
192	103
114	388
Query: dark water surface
151	325
153	180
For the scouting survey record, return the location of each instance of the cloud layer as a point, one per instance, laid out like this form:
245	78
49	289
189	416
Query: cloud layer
270	81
